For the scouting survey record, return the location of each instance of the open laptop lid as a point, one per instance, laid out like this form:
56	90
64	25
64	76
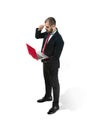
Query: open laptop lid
32	51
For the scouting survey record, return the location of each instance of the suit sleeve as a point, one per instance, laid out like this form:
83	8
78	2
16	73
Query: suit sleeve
58	48
38	34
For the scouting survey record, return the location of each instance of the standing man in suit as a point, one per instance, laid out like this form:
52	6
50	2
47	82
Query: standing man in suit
52	47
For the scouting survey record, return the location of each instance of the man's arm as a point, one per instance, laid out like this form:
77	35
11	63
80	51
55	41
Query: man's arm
38	33
58	47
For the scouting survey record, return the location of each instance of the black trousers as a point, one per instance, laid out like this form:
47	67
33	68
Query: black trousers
50	71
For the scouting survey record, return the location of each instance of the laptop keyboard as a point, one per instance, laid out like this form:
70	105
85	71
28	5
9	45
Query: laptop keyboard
39	56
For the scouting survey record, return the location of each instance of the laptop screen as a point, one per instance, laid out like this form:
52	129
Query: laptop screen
32	51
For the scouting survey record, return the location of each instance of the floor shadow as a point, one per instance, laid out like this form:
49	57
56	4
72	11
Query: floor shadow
73	98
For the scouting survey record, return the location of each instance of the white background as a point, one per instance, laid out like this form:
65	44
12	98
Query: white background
21	77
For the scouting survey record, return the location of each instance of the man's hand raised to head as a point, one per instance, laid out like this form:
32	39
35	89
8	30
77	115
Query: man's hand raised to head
40	27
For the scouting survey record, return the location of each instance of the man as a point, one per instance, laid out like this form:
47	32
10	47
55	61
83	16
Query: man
52	47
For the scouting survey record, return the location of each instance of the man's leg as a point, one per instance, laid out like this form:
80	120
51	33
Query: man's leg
47	96
56	91
47	80
56	88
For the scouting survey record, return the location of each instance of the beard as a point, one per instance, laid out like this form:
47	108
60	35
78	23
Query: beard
49	31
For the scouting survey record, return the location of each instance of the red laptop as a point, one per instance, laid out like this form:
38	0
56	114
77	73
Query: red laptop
34	54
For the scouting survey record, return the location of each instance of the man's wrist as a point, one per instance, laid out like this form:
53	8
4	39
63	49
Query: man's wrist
39	29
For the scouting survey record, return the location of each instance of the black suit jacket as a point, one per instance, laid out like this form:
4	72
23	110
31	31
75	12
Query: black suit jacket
53	48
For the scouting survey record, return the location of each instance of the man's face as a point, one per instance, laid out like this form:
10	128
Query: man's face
48	27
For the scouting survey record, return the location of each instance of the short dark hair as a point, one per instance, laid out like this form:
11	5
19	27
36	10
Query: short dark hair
51	20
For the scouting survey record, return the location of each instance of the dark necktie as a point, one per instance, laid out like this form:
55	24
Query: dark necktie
46	41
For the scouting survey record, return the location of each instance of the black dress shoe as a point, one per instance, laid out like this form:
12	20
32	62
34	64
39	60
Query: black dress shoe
44	99
53	109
